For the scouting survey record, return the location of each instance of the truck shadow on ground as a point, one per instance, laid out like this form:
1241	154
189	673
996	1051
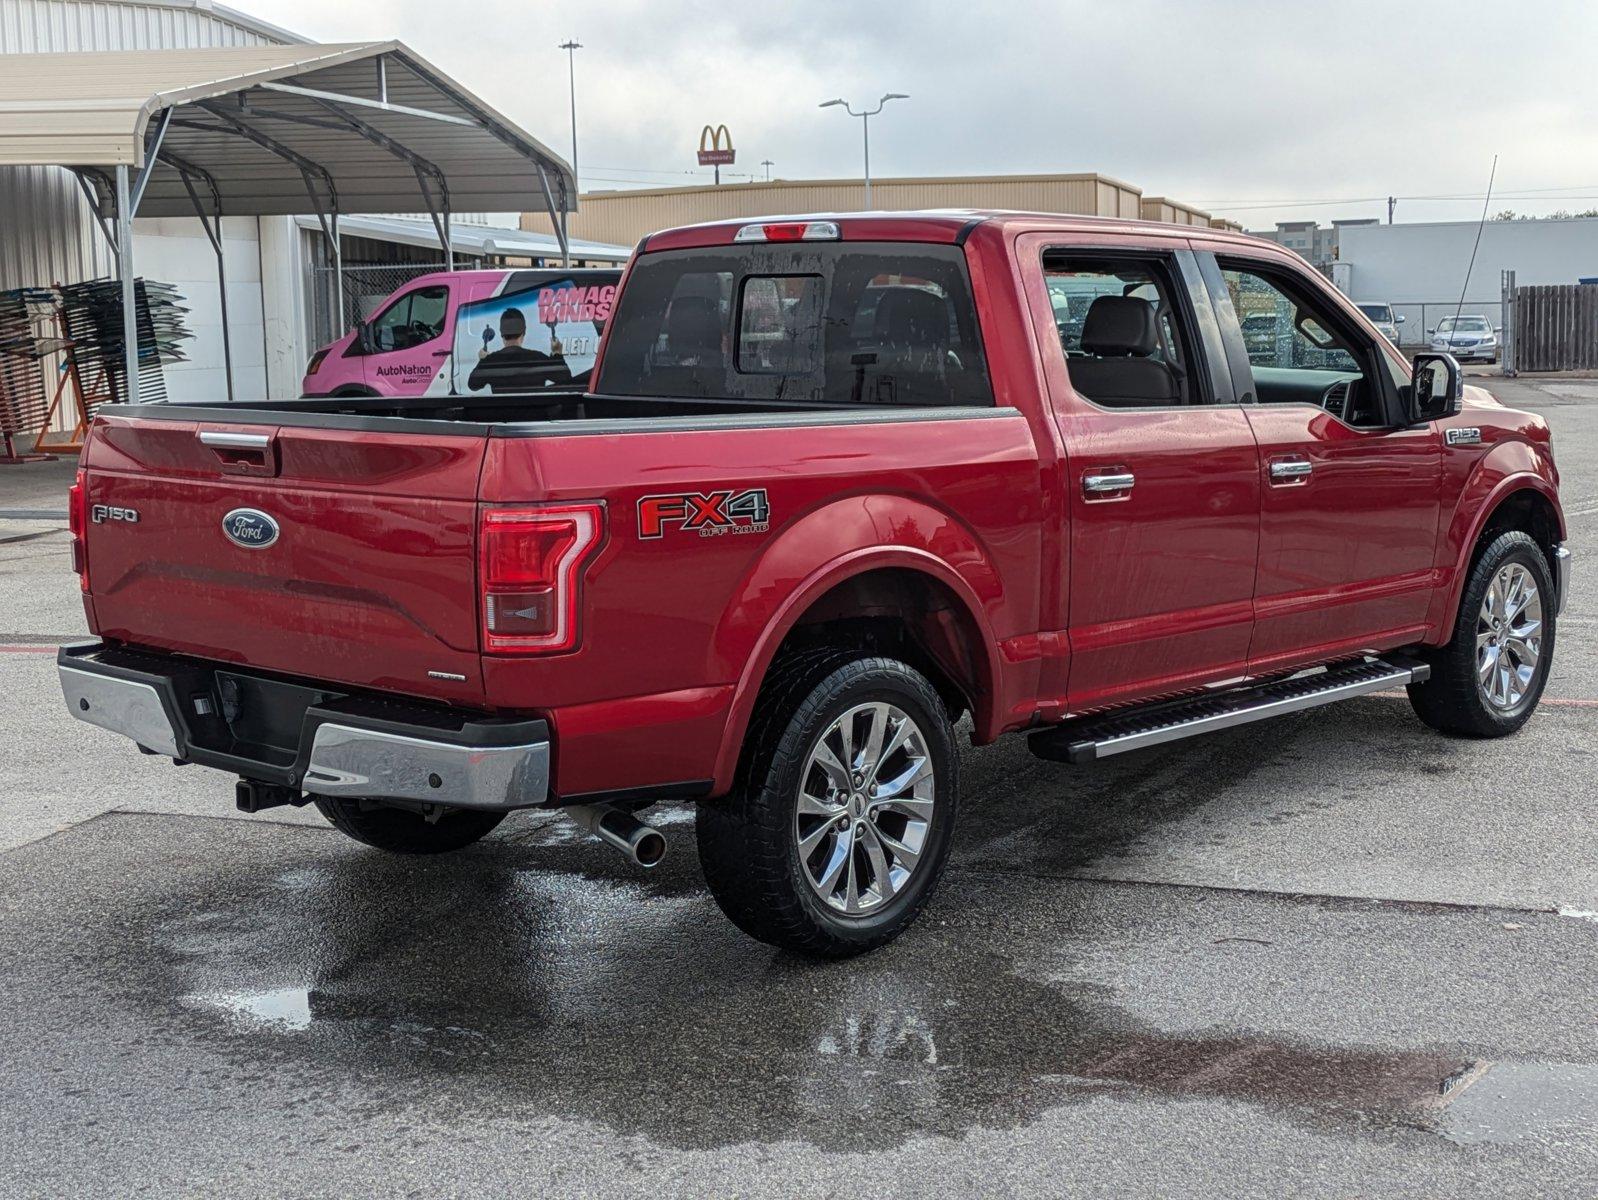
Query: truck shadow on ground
540	975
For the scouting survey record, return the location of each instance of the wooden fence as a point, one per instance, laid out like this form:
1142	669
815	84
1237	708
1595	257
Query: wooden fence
1556	327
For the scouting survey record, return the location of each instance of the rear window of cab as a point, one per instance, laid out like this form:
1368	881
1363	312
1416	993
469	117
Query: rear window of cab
838	324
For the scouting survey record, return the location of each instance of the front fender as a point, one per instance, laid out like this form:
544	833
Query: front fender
1509	467
837	542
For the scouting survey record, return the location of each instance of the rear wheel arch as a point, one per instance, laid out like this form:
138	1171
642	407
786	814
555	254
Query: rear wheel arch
894	600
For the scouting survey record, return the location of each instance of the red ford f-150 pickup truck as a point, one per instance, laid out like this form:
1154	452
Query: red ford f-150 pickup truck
839	481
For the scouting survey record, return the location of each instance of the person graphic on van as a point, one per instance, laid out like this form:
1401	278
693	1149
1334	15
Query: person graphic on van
515	367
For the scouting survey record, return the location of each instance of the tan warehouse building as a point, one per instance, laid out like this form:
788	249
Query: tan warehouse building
625	216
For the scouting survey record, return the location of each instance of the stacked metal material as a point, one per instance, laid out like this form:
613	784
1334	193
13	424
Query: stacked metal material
24	327
92	318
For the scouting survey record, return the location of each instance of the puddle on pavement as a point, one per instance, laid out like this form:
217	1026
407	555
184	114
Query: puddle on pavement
286	1008
631	1003
1503	1102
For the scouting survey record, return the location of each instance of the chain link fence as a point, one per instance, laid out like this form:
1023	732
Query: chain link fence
1422	317
365	289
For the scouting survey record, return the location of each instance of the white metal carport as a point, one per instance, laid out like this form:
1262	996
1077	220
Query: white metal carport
483	241
268	130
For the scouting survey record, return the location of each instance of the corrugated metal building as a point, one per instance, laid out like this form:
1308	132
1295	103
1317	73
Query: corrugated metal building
626	216
49	235
1172	212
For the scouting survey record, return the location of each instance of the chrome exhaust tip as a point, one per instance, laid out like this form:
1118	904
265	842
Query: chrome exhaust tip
619	829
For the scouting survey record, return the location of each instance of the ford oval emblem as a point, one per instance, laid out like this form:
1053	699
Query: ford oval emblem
250	528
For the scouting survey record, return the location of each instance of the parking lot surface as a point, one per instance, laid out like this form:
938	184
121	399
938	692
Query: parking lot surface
1332	955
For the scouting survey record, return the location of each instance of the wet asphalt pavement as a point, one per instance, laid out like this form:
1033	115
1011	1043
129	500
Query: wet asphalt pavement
1335	955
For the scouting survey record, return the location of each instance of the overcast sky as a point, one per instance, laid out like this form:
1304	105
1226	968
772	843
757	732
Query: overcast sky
1247	109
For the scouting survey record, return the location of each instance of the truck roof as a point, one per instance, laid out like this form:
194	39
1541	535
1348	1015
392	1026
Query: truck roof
946	225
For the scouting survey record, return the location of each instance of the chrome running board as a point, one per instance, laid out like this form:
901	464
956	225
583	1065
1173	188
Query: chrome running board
1090	738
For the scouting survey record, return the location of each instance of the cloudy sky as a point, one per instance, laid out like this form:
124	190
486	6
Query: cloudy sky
1258	110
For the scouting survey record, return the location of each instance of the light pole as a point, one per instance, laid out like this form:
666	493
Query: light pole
865	128
768	164
572	46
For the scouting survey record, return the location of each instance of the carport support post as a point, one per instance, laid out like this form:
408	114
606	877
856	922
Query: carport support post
557	219
130	303
213	234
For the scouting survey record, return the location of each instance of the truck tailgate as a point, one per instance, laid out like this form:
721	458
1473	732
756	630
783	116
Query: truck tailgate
368	579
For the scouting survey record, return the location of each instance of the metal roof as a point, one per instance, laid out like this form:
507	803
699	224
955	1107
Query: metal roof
468	238
256	119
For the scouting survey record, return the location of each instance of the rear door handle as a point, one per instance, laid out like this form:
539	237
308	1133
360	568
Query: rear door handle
1107	483
1291	470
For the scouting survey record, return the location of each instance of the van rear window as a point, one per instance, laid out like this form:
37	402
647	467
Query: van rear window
835	323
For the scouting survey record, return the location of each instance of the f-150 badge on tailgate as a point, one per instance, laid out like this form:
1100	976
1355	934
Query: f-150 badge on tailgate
708	513
250	528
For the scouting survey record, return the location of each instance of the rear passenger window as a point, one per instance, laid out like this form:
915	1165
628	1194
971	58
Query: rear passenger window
835	323
1125	340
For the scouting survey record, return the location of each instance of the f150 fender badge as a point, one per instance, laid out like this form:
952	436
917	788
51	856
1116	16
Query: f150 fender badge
1463	436
707	513
250	528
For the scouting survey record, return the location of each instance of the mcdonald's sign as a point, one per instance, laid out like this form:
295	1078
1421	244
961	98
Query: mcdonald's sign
711	151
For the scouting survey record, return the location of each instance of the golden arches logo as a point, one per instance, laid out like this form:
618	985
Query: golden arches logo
711	150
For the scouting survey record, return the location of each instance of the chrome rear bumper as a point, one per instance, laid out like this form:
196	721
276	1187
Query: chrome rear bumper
319	740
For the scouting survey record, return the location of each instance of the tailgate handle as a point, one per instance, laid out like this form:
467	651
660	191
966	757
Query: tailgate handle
242	453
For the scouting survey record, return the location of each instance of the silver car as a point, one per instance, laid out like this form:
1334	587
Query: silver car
1466	338
1381	315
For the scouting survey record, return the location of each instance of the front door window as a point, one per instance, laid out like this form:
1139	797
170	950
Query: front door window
415	319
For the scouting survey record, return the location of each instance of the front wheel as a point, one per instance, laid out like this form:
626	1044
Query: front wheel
1487	680
837	829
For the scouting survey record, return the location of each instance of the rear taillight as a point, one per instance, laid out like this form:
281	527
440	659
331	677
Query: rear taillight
531	563
316	361
77	522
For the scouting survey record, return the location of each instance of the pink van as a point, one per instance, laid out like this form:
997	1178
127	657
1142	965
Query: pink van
459	333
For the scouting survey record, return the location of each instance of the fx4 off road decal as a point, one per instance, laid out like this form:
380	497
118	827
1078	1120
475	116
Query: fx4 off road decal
707	513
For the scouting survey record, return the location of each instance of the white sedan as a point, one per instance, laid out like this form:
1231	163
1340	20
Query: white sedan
1466	338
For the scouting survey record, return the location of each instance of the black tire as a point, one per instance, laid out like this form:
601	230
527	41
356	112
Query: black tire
1451	700
401	831
748	847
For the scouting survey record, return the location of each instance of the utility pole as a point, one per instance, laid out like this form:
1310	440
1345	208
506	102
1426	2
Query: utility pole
1392	203
572	46
865	129
768	164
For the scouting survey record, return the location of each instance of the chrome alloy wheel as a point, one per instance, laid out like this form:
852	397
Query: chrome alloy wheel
865	808
1509	636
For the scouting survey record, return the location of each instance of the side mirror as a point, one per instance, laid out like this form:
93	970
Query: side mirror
1436	389
1429	332
1398	320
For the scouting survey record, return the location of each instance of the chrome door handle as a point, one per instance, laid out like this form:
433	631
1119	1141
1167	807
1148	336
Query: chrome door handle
1287	472
1098	485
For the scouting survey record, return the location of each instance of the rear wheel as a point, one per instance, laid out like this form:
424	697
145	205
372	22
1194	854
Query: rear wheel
1487	681
402	831
837	830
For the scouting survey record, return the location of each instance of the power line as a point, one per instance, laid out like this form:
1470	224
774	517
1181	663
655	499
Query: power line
1586	191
